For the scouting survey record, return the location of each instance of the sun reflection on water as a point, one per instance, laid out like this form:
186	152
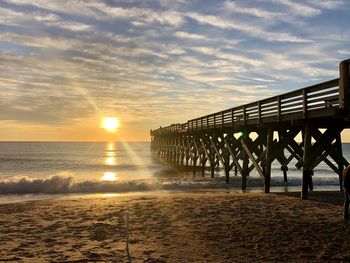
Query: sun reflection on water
110	154
111	146
109	176
110	160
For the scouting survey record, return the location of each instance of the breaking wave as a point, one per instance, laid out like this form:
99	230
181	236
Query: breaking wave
65	184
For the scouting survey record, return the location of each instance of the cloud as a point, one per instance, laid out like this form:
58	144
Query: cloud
43	42
63	61
298	8
328	4
73	26
227	56
185	35
101	11
252	11
23	19
252	31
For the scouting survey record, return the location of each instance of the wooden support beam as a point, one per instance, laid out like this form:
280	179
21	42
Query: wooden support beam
217	152
344	85
195	158
269	152
335	169
227	168
210	158
187	152
222	161
339	148
234	158
254	145
205	150
261	158
251	157
338	158
289	159
245	167
306	157
281	145
284	170
297	148
323	157
323	142
196	155
183	150
204	161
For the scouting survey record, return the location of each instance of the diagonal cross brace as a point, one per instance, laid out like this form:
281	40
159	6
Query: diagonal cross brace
205	151
323	141
257	167
217	152
338	158
281	145
234	158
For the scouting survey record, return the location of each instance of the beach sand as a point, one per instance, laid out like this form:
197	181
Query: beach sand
210	226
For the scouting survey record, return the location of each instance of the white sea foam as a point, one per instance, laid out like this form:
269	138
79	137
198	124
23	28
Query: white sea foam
66	184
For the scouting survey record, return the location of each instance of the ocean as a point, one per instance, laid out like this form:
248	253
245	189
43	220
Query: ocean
35	170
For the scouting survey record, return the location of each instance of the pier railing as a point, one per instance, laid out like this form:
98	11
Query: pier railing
322	98
319	100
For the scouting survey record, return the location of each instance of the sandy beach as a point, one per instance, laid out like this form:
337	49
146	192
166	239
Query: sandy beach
210	226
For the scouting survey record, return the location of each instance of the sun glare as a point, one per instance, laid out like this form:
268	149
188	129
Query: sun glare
109	176
110	124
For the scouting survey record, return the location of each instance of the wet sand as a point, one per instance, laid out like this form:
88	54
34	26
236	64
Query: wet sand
210	226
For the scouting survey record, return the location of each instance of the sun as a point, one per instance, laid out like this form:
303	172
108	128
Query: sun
110	124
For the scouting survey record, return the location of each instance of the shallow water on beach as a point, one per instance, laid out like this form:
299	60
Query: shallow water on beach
94	167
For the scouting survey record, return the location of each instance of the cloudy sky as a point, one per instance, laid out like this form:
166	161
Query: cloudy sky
65	64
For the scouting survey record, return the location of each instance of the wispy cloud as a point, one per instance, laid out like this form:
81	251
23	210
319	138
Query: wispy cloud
251	30
64	62
185	35
299	8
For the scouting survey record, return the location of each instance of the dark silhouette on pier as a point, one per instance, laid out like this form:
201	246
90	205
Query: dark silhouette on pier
223	137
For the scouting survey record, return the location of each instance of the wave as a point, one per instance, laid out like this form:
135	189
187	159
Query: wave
66	184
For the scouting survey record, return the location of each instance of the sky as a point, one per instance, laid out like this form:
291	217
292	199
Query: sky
65	64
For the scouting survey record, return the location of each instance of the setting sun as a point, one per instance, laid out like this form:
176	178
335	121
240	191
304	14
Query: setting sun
110	124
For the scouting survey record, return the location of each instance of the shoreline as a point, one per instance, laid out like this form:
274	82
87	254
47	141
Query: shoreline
27	197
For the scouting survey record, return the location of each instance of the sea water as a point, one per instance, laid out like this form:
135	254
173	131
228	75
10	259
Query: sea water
31	168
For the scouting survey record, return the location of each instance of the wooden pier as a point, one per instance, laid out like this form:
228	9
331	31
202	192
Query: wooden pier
242	138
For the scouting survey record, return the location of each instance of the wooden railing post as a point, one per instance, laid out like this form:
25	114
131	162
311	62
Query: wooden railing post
278	108
344	85
304	103
232	116
244	114
222	119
